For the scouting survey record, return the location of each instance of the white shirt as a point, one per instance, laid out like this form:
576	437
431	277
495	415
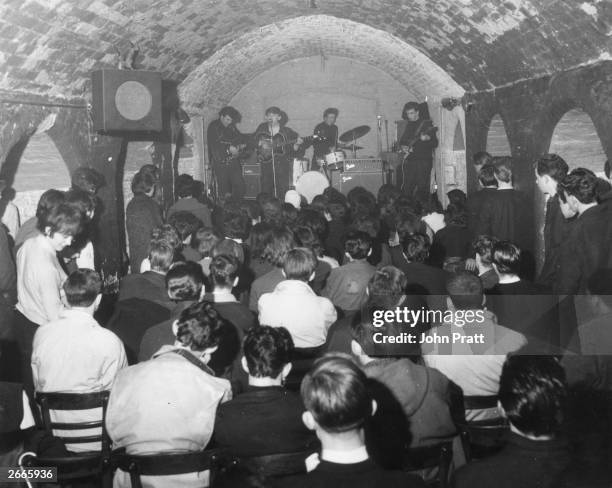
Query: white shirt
39	280
10	218
74	354
296	307
85	259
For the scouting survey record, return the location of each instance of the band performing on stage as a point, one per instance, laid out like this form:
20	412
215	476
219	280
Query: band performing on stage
277	153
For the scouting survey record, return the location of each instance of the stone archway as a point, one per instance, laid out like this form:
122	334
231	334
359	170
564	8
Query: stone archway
497	138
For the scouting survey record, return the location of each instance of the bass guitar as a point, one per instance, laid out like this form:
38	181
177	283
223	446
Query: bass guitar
426	127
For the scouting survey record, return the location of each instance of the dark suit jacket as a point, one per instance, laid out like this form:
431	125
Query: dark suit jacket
142	215
475	202
149	286
452	241
263	420
555	229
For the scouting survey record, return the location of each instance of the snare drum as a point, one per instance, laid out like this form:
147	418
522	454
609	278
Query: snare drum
311	184
300	166
334	160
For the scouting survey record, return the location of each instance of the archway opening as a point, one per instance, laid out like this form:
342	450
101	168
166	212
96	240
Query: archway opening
497	138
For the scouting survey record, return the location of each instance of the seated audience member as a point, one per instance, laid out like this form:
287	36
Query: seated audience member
310	218
74	354
477	200
532	394
40	277
186	224
271	212
473	367
168	234
294	305
346	285
185	190
519	304
362	202
337	227
266	418
451	244
142	215
47	202
550	169
305	237
80	253
457	198
275	250
483	249
289	214
260	234
184	285
235	223
424	396
338	404
151	285
203	241
168	404
371	225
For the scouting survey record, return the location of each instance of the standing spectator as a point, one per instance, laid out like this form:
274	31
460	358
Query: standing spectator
185	190
305	237
451	244
480	159
477	200
74	354
308	328
483	249
203	241
142	215
48	201
186	224
8	271
9	211
168	404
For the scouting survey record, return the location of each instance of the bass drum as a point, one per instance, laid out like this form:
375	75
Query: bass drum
311	184
300	166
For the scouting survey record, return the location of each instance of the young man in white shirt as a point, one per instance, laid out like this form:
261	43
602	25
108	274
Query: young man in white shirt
74	354
295	306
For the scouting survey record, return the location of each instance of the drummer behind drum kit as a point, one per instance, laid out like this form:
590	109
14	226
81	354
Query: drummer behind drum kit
313	183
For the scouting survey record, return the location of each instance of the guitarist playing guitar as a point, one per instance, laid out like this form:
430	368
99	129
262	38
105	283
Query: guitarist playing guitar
225	143
418	143
276	145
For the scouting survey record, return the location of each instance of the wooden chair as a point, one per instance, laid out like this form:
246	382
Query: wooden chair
165	464
428	457
277	465
76	466
482	438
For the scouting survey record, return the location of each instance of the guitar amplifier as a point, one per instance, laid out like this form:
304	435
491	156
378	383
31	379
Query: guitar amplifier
345	181
251	173
362	165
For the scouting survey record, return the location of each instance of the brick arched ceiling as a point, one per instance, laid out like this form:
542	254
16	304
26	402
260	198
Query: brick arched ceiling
48	47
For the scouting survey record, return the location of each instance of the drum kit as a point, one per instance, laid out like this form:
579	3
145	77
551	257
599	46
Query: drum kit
313	183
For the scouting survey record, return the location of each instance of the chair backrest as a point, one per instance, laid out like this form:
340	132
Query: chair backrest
483	437
281	464
165	464
76	401
436	456
480	402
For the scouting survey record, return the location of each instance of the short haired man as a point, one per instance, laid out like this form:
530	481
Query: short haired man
185	191
346	285
481	159
550	169
266	418
328	133
294	305
74	354
48	201
483	249
338	404
532	394
477	200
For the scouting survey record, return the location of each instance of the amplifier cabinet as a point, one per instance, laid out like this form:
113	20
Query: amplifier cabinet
346	181
369	165
251	173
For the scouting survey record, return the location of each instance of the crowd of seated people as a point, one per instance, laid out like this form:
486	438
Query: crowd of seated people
267	327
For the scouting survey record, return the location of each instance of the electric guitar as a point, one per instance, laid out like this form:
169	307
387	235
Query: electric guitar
229	155
425	128
276	144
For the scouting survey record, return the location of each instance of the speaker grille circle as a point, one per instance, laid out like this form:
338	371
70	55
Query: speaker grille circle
133	100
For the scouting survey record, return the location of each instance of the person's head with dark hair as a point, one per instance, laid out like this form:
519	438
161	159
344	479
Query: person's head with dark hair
184	281
335	195
502	169
338	210
289	215
314	220
455	214
337	399
185	224
357	245
151	170
271	212
305	237
465	292
281	241
580	189
235	223
224	271
170	236
387	194
319	204
260	233
408	224
300	264
363	332
599	286
204	240
361	201
416	247
483	247
330	115
229	247
480	159
87	180
48	201
486	176
457	197
607	168
199	328
550	169
83	289
184	186
532	395
229	115
161	255
267	355
143	184
366	223
274	111
506	258
82	201
411	111
387	288
61	224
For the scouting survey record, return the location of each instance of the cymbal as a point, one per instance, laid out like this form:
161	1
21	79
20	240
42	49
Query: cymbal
349	147
355	133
